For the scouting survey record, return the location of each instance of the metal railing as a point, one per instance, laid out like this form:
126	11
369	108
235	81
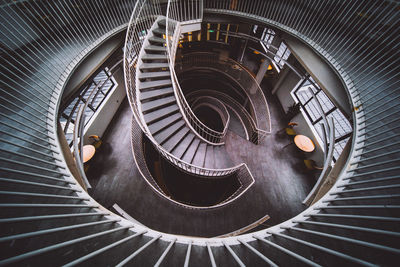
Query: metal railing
359	39
269	49
78	144
218	106
179	14
258	102
142	19
144	16
79	125
243	174
328	132
242	113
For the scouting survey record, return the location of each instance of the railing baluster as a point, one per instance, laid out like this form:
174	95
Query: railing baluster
187	257
162	257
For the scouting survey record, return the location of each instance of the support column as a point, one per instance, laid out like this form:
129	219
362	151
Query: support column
260	74
282	77
243	51
263	69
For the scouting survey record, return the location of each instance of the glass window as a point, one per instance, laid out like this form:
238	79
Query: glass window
255	27
309	106
95	92
339	146
342	125
267	37
282	55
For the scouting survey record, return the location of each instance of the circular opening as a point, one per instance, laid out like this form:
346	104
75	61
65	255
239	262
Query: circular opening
210	117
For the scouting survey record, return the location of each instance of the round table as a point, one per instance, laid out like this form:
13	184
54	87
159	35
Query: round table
304	143
88	152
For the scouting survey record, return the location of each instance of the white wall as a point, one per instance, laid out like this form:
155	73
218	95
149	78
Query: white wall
90	64
322	73
99	122
283	92
290	80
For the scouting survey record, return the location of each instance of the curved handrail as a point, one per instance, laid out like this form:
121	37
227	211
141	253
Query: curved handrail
337	54
249	123
217	105
328	131
325	170
80	125
143	17
246	179
78	144
140	21
243	77
203	131
173	28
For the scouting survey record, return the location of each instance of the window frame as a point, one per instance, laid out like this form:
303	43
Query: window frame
79	98
315	122
280	60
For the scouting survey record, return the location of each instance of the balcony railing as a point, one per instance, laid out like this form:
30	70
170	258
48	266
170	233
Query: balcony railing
78	132
243	174
359	39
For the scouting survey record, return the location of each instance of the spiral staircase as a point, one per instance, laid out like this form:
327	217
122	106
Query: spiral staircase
47	218
161	112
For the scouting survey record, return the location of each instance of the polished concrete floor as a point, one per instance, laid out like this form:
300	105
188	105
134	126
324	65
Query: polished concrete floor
281	182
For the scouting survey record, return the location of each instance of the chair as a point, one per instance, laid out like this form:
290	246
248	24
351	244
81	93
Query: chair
311	165
289	129
290	132
96	141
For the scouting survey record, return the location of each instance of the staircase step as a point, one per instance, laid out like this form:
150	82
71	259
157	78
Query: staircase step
157	104
150	57
181	148
155	48
152	66
166	122
176	139
191	151
159	31
154	75
149	95
169	132
209	162
155	84
160	114
158	40
200	155
162	23
221	158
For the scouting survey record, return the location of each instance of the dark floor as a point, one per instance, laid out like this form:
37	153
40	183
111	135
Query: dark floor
281	183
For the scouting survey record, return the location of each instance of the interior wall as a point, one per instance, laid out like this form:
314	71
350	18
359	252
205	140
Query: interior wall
289	82
92	63
302	128
283	92
322	73
109	107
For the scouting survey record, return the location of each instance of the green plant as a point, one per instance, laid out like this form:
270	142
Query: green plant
293	110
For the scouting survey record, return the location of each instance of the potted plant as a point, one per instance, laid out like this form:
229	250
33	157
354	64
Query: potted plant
293	110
